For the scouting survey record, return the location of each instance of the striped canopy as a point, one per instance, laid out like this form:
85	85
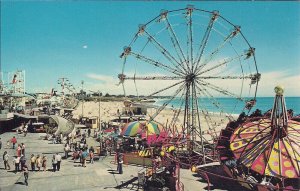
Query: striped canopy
140	127
257	146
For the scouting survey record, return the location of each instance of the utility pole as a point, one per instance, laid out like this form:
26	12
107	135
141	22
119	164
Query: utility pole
82	82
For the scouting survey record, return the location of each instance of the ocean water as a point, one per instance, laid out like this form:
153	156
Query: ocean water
230	105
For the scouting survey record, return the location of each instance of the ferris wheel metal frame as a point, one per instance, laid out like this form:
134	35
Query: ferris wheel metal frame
189	70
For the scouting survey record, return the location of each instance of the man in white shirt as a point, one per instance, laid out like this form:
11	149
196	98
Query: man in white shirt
58	159
16	161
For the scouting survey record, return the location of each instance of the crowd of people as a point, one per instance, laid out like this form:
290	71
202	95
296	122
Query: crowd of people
39	162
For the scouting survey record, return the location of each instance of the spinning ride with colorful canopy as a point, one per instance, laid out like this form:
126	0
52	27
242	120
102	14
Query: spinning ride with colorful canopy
140	127
270	146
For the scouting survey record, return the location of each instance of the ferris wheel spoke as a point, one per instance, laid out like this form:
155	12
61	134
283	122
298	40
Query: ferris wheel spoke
153	78
189	42
250	76
166	103
156	63
186	119
226	61
174	38
134	39
220	90
196	127
209	121
214	53
176	43
164	89
190	24
213	100
164	52
178	111
205	38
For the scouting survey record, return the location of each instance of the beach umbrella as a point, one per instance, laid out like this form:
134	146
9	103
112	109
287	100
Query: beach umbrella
138	127
269	146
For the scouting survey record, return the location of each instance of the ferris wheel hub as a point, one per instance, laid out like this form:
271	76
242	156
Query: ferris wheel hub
190	77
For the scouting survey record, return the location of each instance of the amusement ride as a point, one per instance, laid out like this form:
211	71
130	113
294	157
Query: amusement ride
199	61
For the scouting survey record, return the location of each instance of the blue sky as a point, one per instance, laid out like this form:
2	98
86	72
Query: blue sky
83	40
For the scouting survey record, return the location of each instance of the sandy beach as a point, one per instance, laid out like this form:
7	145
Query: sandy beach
211	124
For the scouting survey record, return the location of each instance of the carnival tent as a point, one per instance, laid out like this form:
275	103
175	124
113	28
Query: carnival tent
140	127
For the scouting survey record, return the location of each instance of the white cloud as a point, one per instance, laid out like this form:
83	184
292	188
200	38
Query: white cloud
271	79
106	84
84	46
103	78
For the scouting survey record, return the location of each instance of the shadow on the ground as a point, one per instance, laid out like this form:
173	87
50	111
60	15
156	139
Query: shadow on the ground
20	183
48	153
218	182
77	165
13	171
113	172
125	184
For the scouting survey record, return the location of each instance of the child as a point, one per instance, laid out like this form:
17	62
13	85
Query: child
91	157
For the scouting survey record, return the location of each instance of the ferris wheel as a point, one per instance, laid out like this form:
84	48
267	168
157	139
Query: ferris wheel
199	61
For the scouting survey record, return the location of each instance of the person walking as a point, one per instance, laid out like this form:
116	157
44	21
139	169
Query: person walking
38	162
91	157
22	161
32	162
89	132
58	159
53	139
26	174
120	163
84	156
14	141
61	138
44	163
5	160
25	130
68	140
19	150
23	149
54	163
66	149
16	161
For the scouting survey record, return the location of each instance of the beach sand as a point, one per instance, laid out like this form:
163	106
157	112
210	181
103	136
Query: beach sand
211	124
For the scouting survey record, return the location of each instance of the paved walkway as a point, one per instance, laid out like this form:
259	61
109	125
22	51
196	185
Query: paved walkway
97	176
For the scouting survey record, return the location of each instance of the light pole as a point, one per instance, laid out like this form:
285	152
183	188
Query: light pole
99	117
